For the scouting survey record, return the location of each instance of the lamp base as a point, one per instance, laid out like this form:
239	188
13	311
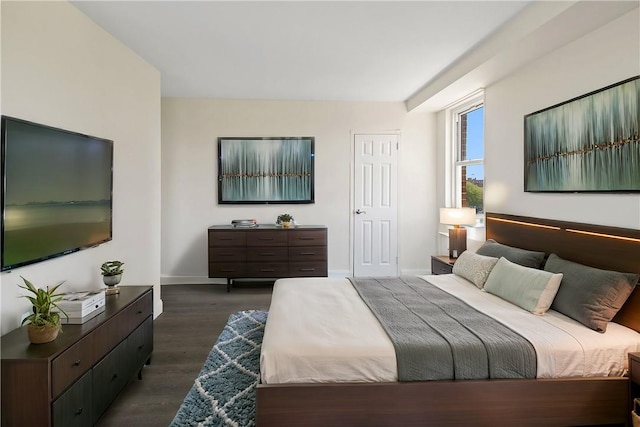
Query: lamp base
457	241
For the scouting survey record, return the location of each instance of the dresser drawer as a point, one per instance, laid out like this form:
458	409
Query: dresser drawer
73	407
267	269
140	344
307	238
109	377
227	269
72	364
267	254
227	238
308	269
139	311
307	253
267	238
227	254
110	334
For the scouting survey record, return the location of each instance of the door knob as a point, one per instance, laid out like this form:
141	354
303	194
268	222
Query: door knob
358	211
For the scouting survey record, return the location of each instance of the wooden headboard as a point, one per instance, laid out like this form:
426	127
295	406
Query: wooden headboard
609	248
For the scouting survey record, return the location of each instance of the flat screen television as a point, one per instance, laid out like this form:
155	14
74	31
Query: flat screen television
56	192
265	170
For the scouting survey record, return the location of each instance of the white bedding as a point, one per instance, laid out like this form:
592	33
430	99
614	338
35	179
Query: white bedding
320	330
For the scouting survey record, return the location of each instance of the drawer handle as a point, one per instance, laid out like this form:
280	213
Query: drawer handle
267	270
307	238
76	363
266	254
307	269
225	238
265	238
307	253
228	270
79	411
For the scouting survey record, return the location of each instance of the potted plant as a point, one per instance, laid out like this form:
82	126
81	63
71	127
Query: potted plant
44	323
285	219
112	274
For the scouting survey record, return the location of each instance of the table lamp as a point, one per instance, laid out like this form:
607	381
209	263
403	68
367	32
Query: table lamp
457	234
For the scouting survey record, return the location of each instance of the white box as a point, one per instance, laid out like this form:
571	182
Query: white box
81	304
78	320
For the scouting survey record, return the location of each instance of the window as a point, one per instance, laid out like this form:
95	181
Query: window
467	153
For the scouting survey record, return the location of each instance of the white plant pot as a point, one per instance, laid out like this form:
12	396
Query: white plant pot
112	280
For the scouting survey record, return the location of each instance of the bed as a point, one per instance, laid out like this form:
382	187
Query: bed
559	396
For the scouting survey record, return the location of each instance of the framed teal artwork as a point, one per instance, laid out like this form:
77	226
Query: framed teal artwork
587	144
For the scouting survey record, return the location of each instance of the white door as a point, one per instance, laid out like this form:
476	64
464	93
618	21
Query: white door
375	211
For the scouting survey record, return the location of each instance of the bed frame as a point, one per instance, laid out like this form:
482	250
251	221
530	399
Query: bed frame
537	402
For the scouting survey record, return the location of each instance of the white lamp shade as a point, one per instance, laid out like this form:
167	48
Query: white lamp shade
458	216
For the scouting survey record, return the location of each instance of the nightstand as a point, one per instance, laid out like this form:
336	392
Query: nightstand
442	264
634	378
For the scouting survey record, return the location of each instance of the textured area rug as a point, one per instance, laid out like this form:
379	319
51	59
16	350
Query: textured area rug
224	394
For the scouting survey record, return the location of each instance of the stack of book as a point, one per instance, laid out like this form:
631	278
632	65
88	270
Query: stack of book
244	223
81	306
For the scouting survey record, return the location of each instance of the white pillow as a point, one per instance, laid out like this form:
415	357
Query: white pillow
473	267
529	288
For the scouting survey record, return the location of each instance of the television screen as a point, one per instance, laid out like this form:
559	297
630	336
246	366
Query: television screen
265	170
57	192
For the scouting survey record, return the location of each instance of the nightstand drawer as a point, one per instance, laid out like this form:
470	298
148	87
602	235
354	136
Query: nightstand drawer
634	368
441	265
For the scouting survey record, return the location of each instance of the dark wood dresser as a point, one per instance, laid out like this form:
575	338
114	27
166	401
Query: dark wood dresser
71	381
267	251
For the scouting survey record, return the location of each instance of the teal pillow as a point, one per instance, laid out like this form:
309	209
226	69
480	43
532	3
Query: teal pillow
523	257
590	295
526	287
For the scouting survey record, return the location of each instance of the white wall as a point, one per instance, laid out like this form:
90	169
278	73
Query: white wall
61	69
190	128
603	57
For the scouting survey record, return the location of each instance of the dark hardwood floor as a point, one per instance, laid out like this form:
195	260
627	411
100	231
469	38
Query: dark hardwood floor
193	317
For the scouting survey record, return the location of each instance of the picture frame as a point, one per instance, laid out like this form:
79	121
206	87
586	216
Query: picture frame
586	144
266	170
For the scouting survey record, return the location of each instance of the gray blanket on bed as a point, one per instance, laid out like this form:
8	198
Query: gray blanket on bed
439	337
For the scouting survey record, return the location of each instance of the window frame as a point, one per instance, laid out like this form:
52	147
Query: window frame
454	162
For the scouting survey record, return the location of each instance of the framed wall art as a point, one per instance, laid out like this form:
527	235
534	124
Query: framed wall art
265	170
587	144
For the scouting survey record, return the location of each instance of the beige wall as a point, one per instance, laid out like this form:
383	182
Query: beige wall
60	69
603	57
190	128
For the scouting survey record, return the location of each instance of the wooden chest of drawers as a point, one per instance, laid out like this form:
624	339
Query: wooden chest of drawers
71	381
267	252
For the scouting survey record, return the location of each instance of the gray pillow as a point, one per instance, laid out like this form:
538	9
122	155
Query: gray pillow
473	267
526	287
524	257
590	295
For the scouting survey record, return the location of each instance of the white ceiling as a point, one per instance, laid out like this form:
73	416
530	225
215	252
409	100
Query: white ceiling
300	50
